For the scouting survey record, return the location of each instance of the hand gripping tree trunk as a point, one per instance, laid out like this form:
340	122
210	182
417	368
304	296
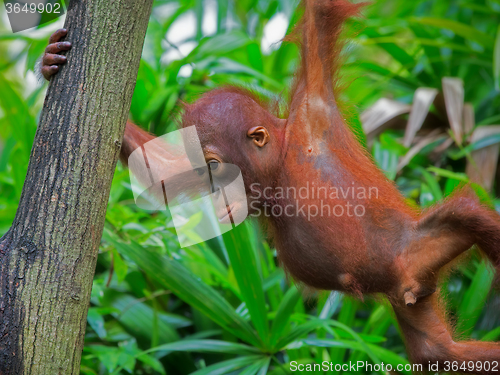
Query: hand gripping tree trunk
48	257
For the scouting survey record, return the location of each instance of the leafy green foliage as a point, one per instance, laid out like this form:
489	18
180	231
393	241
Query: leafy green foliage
225	306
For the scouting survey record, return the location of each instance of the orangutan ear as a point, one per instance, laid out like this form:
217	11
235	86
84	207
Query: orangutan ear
260	135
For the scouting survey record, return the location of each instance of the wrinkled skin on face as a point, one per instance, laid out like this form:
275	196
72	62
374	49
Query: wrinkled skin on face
336	221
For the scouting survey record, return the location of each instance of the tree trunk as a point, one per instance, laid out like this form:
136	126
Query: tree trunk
48	257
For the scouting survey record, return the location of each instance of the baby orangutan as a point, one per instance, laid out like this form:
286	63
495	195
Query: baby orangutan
377	243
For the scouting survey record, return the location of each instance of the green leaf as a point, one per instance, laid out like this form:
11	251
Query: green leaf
23	125
174	276
489	120
386	158
205	346
461	29
347	317
219	45
108	356
229	66
274	278
8	146
137	317
483	195
399	54
483	142
255	56
258	368
96	321
493	335
408	83
432	184
283	314
475	297
307	327
153	362
450	186
119	266
426	197
496	60
431	46
245	265
449	174
230	365
300	330
200	346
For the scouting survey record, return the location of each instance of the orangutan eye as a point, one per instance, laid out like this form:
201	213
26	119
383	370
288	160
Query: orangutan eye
213	165
200	171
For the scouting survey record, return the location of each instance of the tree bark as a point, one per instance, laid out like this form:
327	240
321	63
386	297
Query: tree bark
48	257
